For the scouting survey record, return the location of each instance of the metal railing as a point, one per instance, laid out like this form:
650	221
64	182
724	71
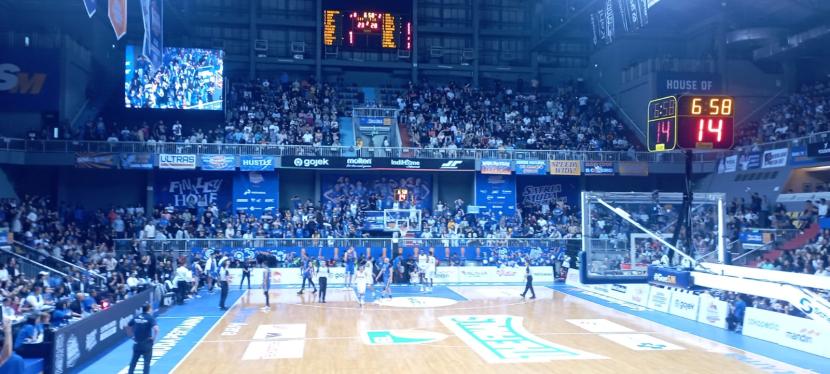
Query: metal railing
73	146
46	258
185	246
28	267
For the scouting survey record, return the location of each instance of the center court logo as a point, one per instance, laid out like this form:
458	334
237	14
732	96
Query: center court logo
416	302
400	337
487	335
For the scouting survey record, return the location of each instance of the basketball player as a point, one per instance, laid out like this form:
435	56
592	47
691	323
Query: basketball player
211	270
198	274
529	284
349	259
266	285
308	275
360	280
430	273
323	279
385	275
422	269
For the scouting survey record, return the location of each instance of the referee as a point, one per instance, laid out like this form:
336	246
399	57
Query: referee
529	284
144	330
224	277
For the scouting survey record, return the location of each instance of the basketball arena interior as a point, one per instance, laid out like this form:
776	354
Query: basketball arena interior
414	186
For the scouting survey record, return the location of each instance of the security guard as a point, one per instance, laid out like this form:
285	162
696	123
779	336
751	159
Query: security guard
144	330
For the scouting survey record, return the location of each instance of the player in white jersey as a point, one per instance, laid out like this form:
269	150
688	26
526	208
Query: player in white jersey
361	281
430	270
422	269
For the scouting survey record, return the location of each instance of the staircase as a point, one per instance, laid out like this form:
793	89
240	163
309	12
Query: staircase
406	140
797	242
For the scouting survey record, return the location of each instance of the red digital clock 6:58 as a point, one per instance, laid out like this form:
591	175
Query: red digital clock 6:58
705	122
691	122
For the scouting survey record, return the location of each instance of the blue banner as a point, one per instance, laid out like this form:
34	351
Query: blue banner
374	121
218	162
29	79
598	168
358	188
257	163
535	191
137	161
755	237
496	194
799	156
669	277
193	189
531	167
255	192
669	83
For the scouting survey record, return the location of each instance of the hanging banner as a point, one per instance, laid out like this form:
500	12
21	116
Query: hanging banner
635	168
218	162
136	160
256	163
91	7
496	194
565	167
499	167
530	167
775	158
599	168
153	31
749	161
92	160
255	192
177	162
193	189
728	164
117	12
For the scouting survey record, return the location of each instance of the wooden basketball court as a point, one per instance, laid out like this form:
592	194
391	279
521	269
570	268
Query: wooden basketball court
464	329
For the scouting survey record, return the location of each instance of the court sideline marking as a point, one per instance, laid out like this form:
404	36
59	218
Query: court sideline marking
193	348
571	291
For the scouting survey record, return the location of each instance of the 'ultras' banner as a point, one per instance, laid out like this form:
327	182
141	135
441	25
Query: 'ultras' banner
29	79
535	191
496	193
255	192
193	189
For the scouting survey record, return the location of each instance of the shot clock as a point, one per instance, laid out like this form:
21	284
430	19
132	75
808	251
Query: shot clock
691	122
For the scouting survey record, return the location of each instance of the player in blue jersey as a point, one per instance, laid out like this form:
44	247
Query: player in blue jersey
385	275
349	259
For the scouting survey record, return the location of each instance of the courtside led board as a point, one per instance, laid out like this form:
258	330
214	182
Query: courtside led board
691	122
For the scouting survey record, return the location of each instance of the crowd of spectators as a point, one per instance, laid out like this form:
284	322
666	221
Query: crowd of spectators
188	78
803	113
455	116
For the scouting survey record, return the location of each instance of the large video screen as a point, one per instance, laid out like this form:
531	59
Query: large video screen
368	24
188	78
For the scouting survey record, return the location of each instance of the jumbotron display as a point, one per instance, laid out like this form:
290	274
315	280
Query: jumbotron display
188	78
368	24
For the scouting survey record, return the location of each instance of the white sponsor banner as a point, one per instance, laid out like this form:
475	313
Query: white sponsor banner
641	342
178	162
775	158
659	299
794	332
712	311
684	304
599	325
637	294
730	164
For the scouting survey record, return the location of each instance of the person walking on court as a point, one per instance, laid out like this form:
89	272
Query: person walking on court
224	277
246	273
323	280
308	275
143	329
529	284
266	285
180	280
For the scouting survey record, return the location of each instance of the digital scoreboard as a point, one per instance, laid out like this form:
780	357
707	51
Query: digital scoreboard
691	122
368	25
